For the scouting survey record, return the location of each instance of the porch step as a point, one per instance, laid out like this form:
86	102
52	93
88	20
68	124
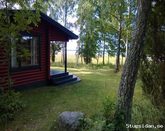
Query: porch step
60	74
60	78
63	78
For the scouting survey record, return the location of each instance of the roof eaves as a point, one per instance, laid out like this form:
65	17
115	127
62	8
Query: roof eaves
57	25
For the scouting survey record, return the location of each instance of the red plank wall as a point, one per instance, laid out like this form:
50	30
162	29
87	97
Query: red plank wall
41	74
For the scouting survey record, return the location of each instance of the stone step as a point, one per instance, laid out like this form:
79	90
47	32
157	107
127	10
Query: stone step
66	81
64	78
60	74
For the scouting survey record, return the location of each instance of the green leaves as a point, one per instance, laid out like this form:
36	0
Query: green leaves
152	64
61	10
10	104
13	22
100	20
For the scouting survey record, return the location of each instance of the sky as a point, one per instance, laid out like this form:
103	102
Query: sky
72	44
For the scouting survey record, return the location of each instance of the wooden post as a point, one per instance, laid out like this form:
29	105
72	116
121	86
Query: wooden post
65	57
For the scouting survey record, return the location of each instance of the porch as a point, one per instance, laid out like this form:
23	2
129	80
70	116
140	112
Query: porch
58	33
61	77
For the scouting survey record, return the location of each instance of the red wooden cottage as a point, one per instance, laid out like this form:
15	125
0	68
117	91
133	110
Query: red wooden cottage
35	69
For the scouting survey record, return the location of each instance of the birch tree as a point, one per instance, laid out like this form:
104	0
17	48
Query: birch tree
61	10
129	74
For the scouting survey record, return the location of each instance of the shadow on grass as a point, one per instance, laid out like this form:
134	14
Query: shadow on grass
43	105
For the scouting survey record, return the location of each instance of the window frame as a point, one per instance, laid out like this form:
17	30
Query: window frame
29	67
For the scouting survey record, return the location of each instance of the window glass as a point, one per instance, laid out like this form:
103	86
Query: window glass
25	52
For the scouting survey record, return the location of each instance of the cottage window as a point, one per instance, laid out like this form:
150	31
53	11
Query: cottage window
25	52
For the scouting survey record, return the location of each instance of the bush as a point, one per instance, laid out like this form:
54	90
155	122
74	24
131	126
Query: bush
86	123
152	81
144	112
112	121
91	124
10	104
108	110
153	58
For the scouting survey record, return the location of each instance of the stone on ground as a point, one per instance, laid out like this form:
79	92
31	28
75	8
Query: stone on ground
69	121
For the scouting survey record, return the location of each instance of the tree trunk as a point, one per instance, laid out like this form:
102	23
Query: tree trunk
104	51
65	25
130	70
81	59
77	59
97	58
126	46
127	32
8	48
118	49
53	53
62	55
122	61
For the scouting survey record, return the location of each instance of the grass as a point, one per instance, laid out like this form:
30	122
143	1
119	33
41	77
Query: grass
72	59
43	105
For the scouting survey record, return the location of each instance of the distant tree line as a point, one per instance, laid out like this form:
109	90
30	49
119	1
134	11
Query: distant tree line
105	28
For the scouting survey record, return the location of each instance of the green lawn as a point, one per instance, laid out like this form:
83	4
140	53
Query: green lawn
45	103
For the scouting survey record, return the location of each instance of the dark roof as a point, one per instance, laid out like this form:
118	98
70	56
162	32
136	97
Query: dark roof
52	22
70	34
